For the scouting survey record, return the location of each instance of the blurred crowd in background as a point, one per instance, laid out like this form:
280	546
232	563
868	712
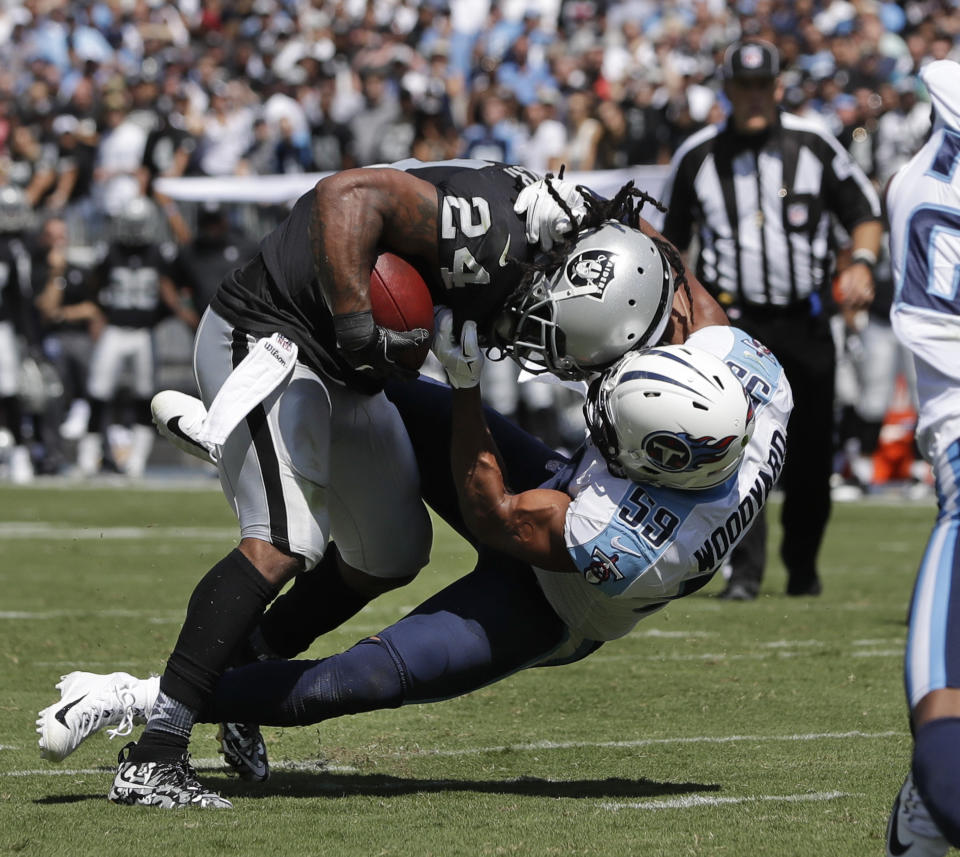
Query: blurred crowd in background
100	98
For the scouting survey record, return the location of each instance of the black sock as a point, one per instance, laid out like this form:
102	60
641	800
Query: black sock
158	745
225	606
318	602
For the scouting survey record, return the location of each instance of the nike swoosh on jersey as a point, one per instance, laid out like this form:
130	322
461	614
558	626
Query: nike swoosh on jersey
620	546
894	845
61	715
503	255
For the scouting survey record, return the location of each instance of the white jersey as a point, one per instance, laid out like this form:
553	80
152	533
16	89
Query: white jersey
923	201
638	546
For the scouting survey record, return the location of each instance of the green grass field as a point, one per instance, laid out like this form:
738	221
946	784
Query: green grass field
776	727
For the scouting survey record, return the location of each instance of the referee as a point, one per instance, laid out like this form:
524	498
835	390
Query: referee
760	190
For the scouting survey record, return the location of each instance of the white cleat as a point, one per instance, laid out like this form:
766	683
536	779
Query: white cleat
178	417
910	831
88	703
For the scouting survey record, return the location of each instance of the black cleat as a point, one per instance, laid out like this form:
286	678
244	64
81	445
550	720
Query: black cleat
167	785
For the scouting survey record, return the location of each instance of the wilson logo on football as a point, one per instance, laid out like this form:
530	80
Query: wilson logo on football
678	452
592	269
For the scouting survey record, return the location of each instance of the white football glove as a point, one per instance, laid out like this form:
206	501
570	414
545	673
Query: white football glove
462	361
547	222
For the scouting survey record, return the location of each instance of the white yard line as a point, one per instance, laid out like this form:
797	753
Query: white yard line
650	742
45	530
696	801
538	746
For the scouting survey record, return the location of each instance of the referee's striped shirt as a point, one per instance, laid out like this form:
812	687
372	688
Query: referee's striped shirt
762	208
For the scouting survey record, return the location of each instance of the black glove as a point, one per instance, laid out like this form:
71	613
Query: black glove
373	349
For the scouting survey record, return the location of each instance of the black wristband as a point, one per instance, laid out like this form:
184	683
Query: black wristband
355	330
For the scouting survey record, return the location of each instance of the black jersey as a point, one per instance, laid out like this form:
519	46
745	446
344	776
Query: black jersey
480	239
128	284
11	289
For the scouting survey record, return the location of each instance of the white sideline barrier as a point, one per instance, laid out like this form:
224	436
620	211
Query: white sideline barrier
279	189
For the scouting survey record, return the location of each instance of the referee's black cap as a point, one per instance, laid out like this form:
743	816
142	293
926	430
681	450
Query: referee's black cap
752	59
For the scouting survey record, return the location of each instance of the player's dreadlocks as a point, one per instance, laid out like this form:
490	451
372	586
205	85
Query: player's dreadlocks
624	207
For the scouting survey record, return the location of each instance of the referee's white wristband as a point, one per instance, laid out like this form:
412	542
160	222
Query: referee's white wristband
864	256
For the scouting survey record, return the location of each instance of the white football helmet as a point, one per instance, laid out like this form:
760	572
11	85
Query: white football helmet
672	415
611	295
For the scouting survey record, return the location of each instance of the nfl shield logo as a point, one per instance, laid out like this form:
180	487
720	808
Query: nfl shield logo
797	214
751	56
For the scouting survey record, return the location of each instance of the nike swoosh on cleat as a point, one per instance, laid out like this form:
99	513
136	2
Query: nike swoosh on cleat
174	425
61	715
894	845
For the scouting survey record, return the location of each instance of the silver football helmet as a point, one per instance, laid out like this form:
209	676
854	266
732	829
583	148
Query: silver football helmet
15	213
672	415
611	295
137	223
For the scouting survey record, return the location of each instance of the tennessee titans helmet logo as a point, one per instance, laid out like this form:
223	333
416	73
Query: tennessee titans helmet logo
676	452
591	269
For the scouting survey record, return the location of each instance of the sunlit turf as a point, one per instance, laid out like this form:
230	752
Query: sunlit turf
776	727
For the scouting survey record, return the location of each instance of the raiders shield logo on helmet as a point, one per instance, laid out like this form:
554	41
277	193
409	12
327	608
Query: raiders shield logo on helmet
591	269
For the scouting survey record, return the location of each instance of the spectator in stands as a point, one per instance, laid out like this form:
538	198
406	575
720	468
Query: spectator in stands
546	136
227	131
119	156
495	135
583	133
70	322
381	108
29	165
646	126
329	136
169	151
76	156
901	130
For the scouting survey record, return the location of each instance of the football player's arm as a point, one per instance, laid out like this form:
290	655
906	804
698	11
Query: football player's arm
357	212
689	313
528	526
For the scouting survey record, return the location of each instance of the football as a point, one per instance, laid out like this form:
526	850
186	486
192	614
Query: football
401	300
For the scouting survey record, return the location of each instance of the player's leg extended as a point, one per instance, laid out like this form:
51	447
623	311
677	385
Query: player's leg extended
932	661
478	630
279	499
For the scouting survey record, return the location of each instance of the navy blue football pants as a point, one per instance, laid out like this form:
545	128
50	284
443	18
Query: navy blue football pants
479	629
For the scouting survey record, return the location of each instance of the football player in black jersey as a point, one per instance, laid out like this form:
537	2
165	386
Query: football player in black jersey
134	288
290	364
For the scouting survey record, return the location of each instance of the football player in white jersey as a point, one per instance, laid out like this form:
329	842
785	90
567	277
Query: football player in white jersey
923	203
686	442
